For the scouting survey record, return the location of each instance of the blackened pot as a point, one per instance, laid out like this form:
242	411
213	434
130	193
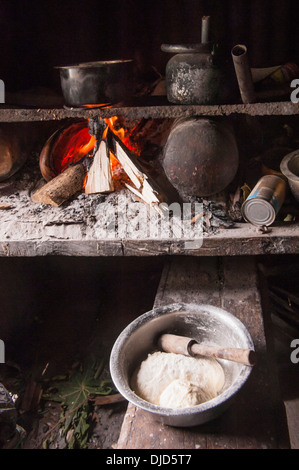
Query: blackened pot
196	75
200	157
101	82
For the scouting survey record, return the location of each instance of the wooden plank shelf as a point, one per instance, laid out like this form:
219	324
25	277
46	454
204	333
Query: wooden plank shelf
69	240
121	225
153	110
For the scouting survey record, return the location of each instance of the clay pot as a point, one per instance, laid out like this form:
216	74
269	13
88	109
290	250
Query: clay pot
17	141
13	154
201	156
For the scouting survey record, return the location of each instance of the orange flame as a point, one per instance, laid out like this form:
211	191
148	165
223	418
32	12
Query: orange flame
75	142
123	134
102	105
80	145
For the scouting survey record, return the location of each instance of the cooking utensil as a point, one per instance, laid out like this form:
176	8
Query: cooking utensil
98	82
290	169
196	74
201	156
243	73
206	324
190	347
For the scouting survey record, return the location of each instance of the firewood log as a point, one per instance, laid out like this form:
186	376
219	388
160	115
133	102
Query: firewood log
62	187
99	177
144	185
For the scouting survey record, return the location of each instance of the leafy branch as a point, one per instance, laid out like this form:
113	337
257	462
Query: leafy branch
75	396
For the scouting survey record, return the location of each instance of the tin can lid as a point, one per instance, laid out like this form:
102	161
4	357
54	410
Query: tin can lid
258	212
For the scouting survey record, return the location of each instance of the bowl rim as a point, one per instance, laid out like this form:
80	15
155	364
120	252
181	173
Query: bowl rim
133	398
284	166
94	64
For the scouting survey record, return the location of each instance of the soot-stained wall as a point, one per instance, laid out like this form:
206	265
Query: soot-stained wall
36	36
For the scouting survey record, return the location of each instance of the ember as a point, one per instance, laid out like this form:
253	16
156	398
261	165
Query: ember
72	149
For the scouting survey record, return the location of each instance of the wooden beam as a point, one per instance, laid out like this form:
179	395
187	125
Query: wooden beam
151	111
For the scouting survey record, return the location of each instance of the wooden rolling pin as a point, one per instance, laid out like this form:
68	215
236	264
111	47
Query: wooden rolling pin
189	347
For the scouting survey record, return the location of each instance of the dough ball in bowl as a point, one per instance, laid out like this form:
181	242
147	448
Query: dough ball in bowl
180	394
177	381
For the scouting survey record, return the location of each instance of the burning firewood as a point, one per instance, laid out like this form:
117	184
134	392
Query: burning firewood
143	185
70	181
97	173
99	177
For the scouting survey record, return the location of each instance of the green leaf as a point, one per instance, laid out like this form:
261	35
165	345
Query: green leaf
74	395
79	386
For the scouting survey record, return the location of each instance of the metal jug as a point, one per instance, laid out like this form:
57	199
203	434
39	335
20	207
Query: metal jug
195	75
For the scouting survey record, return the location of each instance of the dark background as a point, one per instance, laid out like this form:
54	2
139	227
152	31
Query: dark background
37	35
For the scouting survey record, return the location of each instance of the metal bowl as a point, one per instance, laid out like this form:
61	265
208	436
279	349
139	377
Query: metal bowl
289	167
99	82
204	323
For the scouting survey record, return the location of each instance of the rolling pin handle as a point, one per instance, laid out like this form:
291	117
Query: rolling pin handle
189	347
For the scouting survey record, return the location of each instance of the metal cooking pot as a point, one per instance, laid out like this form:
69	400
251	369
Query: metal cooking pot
195	75
204	323
100	82
289	167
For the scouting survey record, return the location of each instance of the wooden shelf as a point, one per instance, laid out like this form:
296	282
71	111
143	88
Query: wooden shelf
152	109
37	230
31	229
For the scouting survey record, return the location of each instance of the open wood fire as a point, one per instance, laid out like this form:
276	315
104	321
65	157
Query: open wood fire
92	156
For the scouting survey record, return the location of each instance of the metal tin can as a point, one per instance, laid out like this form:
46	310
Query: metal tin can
265	200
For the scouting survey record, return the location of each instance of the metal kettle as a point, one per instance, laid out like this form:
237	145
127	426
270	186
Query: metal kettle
195	75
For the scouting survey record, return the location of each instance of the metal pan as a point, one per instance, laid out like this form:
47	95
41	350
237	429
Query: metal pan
202	322
99	82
